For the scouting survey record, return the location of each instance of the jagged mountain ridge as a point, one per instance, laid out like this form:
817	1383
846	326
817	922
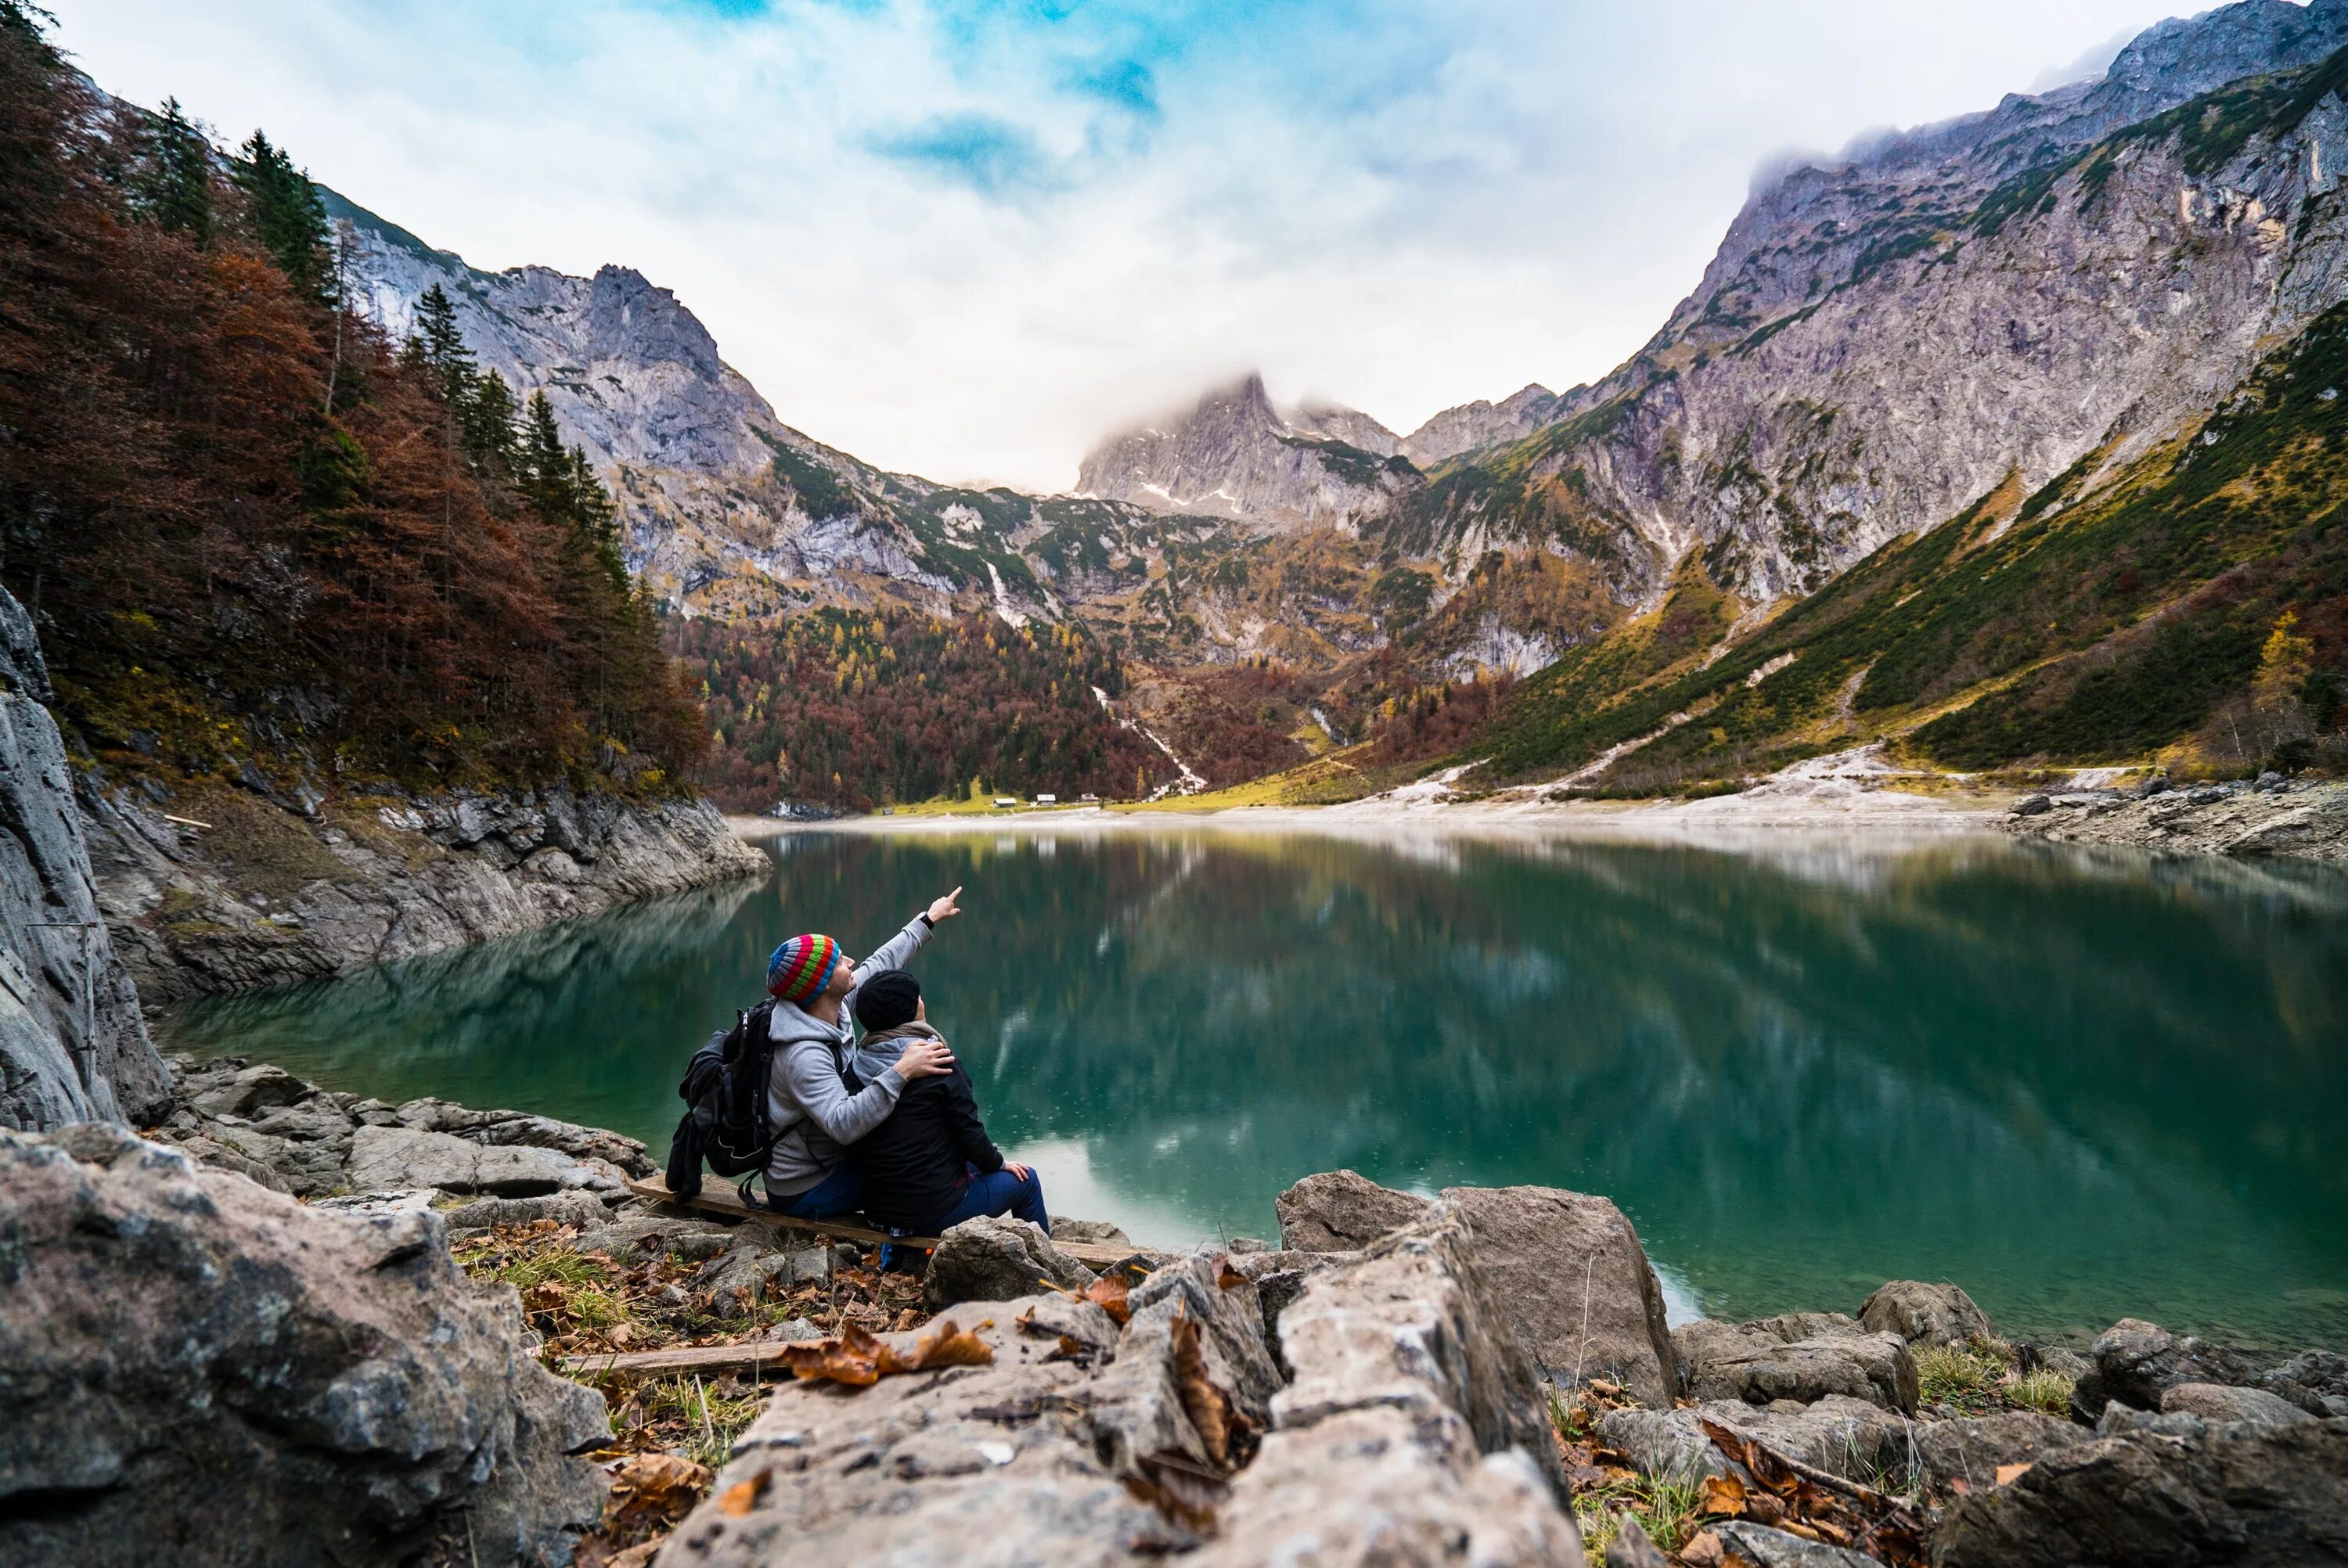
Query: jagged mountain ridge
728	509
1882	339
1237	455
1234	455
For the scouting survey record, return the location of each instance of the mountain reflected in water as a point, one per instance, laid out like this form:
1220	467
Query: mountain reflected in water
2082	1087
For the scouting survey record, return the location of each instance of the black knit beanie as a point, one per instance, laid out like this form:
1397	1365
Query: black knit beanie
886	1001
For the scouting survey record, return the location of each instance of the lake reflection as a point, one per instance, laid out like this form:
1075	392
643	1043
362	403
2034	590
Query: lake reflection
2082	1087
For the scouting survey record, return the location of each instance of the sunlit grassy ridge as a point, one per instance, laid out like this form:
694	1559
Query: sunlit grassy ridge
2070	628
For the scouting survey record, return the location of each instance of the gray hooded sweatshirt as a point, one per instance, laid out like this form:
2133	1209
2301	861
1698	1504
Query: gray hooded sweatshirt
814	1115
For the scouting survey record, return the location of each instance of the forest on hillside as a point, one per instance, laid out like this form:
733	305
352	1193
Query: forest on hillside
849	709
253	533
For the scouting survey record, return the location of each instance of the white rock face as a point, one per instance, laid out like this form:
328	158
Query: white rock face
1235	456
1884	339
1480	423
73	1046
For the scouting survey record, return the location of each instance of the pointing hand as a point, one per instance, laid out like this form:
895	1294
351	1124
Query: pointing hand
944	908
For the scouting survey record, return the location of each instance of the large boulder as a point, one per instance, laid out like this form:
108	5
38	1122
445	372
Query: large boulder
1802	1357
199	1371
1932	1315
2247	1494
412	1157
2216	1402
1568	1267
1342	1211
1411	1435
996	1260
2136	1362
1972	1449
1843	1436
73	1044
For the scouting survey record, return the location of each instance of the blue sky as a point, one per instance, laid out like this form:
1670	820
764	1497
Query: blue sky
967	240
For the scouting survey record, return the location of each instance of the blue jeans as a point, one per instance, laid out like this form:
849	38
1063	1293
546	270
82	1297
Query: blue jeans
999	1192
840	1193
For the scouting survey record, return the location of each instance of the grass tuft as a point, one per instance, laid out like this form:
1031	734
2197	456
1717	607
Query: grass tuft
1666	1509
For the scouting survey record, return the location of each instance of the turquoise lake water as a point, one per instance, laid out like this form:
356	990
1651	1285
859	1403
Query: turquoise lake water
2081	1086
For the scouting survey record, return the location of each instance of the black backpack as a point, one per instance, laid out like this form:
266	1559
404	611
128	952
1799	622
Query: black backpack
724	1094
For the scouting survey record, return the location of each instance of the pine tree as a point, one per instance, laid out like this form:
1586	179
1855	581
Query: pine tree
436	344
289	217
597	518
485	424
173	186
543	469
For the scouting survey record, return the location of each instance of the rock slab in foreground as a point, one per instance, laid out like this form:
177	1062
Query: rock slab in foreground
1557	1259
1411	1433
2246	1494
1082	1442
202	1372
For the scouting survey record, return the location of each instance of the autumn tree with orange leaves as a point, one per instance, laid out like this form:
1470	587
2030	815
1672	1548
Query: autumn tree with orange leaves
253	533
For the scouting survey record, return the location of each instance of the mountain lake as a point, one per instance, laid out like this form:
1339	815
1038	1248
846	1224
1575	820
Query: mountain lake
2082	1086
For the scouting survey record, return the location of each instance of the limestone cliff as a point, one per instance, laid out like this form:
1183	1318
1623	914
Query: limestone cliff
1234	455
727	508
231	890
1886	337
73	1047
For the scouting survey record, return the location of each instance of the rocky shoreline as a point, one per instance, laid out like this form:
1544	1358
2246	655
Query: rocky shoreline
229	890
1485	1375
2267	818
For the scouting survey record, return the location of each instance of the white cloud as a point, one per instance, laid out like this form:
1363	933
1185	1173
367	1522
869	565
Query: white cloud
958	240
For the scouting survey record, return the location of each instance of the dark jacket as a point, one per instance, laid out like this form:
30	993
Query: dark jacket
914	1164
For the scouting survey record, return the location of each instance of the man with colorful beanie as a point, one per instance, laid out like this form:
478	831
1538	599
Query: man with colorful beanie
815	1117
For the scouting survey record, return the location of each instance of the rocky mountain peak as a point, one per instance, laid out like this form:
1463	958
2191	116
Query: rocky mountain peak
1480	423
1882	339
1234	454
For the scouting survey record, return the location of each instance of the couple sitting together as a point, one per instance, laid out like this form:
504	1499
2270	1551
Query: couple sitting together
887	1123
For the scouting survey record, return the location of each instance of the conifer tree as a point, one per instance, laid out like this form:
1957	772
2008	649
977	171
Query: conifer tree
289	217
438	346
598	519
543	470
173	185
485	424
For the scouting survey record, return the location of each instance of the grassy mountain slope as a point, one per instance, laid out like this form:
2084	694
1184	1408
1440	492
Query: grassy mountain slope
2139	618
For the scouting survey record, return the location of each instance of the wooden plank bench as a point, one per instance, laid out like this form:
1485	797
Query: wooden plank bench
720	1198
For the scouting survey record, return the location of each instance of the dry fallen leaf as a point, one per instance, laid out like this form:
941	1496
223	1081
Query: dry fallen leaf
1227	1278
655	1487
942	1346
1723	1495
852	1357
1220	1426
1702	1551
1108	1293
2006	1473
860	1358
743	1496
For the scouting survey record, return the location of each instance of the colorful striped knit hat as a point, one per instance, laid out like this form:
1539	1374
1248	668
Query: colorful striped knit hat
801	968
